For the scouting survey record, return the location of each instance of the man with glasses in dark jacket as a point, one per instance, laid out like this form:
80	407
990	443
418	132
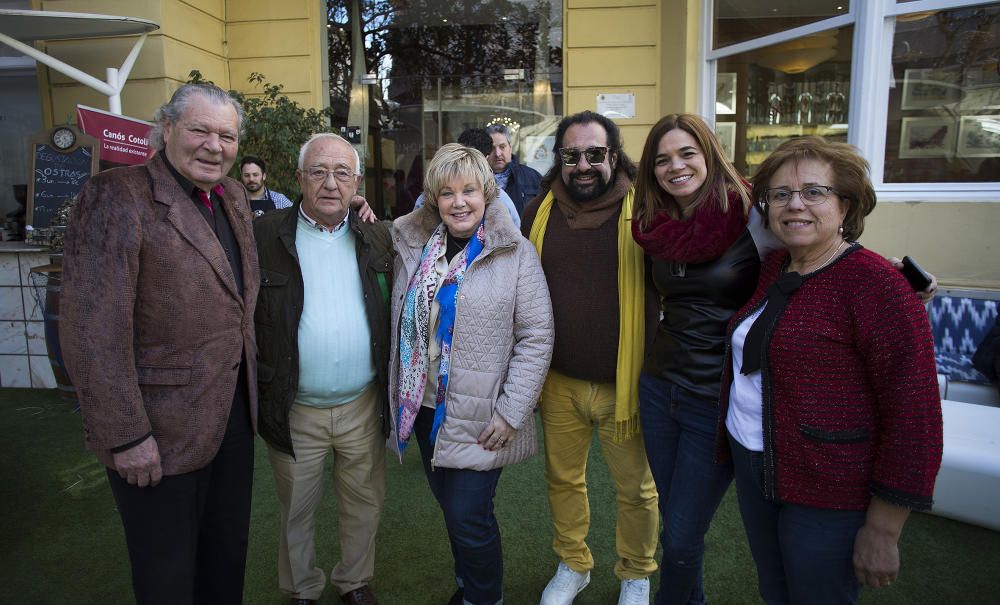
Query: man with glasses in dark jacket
323	331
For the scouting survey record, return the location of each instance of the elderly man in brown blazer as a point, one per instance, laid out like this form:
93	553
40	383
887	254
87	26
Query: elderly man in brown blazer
160	284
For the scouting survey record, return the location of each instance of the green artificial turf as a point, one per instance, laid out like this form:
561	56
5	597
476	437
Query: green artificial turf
62	539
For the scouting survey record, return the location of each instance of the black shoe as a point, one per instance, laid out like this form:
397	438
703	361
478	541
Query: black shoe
458	598
359	596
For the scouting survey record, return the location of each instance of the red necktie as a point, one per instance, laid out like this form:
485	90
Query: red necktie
206	201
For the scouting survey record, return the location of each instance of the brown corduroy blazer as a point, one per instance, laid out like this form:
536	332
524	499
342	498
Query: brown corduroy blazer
152	324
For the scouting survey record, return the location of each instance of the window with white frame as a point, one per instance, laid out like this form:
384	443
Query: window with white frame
943	118
914	84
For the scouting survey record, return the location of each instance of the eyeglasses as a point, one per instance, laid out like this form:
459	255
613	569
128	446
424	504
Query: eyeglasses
810	196
594	155
319	175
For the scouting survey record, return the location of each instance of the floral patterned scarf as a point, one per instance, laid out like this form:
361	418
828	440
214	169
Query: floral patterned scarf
414	331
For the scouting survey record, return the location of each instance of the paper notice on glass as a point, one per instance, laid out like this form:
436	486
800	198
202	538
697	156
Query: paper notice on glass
537	152
616	105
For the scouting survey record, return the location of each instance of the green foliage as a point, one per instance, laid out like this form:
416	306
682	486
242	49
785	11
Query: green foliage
274	127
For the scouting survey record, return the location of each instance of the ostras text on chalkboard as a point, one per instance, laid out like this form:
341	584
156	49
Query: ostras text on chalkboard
58	176
62	159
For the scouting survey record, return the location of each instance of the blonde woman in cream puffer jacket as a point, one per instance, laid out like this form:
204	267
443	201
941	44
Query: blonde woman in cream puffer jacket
502	342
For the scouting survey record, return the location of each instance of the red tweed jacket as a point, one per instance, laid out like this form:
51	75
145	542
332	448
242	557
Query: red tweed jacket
152	325
851	403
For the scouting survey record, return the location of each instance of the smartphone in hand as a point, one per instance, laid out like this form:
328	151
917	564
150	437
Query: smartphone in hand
917	277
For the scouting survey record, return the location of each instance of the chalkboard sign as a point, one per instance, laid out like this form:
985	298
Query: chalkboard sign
58	174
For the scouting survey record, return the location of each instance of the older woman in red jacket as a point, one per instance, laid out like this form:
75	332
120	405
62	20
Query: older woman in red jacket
829	396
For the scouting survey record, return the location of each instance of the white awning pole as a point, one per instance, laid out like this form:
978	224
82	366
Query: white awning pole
126	67
115	100
67	70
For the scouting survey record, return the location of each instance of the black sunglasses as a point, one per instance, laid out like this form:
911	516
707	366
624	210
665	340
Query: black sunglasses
571	156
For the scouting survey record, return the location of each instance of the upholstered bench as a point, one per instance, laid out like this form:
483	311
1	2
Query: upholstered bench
968	484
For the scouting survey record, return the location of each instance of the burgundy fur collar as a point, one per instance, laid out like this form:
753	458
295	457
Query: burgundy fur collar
701	238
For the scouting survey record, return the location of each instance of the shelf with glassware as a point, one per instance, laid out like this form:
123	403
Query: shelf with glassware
760	105
797	102
778	111
762	139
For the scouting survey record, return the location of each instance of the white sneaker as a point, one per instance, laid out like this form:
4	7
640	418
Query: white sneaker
634	592
565	585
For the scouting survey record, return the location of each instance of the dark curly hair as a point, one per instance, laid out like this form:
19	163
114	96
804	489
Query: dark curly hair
477	138
252	159
614	145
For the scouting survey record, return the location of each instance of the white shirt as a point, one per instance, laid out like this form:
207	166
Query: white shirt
745	419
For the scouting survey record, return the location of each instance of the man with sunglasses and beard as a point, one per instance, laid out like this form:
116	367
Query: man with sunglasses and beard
580	226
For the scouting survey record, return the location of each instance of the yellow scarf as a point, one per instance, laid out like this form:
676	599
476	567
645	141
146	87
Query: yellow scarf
631	314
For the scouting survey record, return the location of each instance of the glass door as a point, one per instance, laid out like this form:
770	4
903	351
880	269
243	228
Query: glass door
433	69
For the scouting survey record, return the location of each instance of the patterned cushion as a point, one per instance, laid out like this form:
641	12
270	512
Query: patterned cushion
959	324
957	366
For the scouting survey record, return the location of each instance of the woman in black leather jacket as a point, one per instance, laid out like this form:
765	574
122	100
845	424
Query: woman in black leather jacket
705	243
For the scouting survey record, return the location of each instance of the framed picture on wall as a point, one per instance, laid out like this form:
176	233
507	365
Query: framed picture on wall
726	131
979	74
979	137
725	93
927	138
984	97
925	88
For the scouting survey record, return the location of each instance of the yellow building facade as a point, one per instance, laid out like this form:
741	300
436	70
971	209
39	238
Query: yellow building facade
226	40
653	50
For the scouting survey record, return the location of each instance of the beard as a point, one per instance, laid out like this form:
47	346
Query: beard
254	187
590	191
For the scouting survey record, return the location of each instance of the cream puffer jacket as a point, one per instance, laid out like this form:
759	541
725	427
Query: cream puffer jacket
502	343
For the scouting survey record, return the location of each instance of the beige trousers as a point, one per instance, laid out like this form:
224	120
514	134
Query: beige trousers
353	432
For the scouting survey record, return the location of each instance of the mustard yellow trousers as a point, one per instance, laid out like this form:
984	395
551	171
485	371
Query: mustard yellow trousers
571	409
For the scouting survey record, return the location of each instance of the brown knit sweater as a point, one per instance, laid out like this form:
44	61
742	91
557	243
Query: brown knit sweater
581	268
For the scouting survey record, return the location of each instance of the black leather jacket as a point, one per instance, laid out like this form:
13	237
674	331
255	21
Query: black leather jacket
697	302
279	308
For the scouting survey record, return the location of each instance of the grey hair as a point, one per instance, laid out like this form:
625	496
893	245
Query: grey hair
500	128
172	111
328	135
